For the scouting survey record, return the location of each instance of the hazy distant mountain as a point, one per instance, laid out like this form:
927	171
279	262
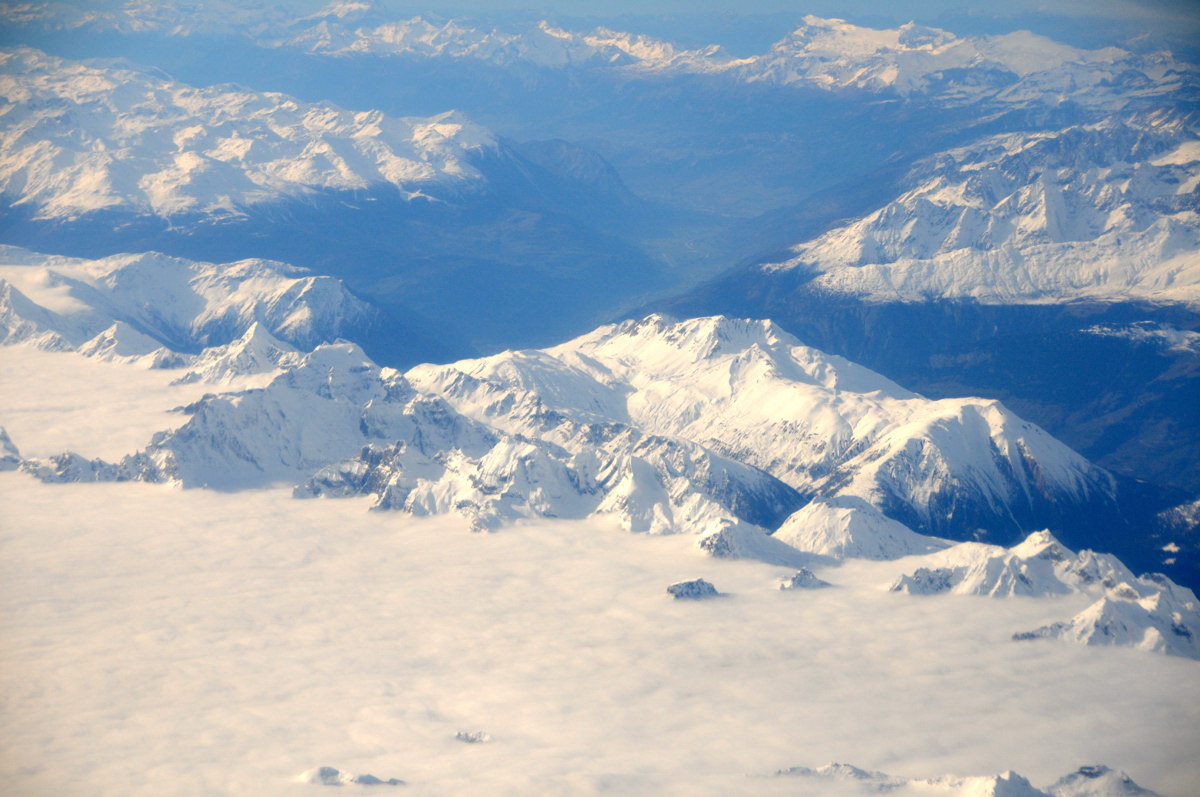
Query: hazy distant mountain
1105	211
827	54
436	217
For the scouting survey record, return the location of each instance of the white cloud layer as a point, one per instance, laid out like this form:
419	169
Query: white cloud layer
164	642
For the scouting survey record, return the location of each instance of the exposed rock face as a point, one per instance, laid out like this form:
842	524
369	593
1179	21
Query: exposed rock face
692	590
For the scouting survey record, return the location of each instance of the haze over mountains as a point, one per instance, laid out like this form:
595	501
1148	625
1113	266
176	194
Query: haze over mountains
906	314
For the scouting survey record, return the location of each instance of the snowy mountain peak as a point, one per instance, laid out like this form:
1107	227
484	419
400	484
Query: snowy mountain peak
1042	544
847	526
1039	565
255	352
1097	781
1132	616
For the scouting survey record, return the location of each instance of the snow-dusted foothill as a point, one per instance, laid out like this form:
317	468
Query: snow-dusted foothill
1104	210
1097	781
696	589
1088	781
744	541
1040	565
81	138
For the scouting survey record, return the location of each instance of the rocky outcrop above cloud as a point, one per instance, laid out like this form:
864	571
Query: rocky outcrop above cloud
332	776
802	579
1144	614
1089	781
1149	612
697	589
10	456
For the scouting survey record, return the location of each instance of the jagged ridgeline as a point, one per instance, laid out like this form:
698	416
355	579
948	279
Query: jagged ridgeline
731	430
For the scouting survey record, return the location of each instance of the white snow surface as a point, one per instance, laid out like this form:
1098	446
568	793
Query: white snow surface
79	137
1098	211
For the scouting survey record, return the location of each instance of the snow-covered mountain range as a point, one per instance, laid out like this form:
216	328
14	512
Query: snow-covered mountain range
1016	67
730	431
715	426
823	54
78	138
454	229
1103	211
812	527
